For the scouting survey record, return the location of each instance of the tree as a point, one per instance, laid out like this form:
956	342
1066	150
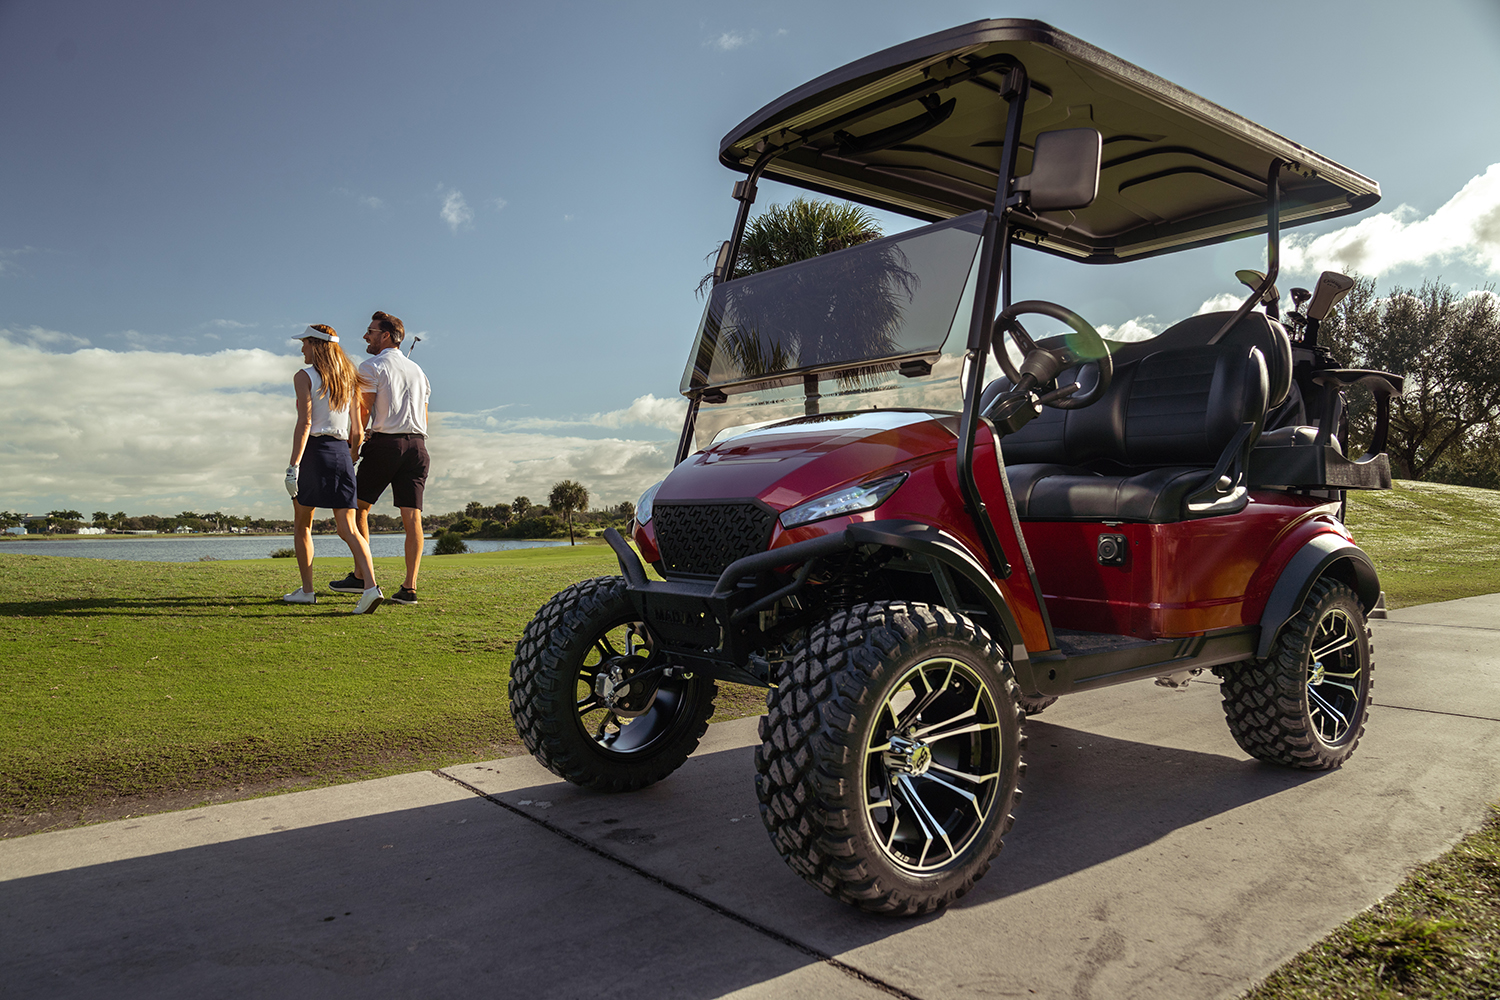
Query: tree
519	506
802	229
626	510
1447	345
852	308
101	519
65	515
568	496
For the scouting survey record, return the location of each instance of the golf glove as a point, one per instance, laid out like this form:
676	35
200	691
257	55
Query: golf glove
291	480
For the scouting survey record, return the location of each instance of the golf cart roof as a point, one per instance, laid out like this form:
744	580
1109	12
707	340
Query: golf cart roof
1178	171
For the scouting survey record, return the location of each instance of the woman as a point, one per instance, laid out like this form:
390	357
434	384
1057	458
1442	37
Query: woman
324	446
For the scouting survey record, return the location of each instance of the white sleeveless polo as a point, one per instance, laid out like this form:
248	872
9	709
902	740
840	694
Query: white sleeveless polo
326	422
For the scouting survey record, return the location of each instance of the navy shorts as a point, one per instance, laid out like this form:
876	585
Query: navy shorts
395	460
325	477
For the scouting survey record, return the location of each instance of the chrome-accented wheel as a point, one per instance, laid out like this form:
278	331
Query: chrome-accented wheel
889	756
1334	676
932	766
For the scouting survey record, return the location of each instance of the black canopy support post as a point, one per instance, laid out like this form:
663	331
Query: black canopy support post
1273	249
689	423
744	193
993	272
811	396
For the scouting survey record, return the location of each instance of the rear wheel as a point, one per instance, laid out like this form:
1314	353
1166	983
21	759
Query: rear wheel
594	702
889	757
1305	706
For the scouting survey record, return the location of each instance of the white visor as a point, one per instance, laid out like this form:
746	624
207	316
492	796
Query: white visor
313	333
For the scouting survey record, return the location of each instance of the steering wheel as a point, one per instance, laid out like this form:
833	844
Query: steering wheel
1084	348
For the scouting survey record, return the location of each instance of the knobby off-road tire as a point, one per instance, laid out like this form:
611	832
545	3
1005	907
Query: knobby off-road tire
1035	704
578	634
1305	706
889	757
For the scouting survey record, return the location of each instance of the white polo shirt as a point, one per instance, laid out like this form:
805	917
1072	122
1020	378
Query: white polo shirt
401	392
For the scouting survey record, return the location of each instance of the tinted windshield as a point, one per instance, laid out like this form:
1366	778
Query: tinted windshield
849	314
806	340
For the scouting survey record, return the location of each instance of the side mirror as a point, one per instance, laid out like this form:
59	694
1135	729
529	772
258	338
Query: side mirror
1330	290
1064	170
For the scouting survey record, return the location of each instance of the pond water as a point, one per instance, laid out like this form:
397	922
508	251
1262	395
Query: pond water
188	548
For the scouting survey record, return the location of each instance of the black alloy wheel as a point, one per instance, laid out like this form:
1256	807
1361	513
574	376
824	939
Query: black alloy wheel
890	755
594	702
1305	705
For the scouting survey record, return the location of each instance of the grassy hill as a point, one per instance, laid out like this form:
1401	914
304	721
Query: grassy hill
1430	541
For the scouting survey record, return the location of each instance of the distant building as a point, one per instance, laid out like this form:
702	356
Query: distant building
93	531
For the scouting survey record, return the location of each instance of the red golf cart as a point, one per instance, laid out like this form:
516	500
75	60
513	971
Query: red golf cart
915	524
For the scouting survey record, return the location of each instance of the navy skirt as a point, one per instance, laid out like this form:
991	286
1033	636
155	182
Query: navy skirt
326	475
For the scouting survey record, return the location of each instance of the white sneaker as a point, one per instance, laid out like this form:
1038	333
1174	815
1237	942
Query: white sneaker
368	601
300	597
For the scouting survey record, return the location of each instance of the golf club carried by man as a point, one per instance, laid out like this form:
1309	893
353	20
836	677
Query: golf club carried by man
395	450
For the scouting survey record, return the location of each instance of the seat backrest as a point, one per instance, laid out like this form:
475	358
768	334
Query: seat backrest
1253	330
1171	407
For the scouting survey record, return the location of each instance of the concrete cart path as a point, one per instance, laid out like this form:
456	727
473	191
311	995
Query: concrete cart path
1150	858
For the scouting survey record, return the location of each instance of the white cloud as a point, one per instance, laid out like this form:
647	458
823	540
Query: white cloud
455	211
8	257
1223	302
731	40
230	324
367	200
42	339
1466	229
644	411
497	203
157	431
1140	328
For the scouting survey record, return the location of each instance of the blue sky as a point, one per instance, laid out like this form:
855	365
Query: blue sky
533	188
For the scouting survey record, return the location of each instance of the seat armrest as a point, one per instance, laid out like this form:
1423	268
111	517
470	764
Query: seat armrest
1383	384
1231	474
1380	383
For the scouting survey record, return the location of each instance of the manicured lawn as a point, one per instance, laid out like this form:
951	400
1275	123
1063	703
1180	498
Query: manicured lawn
1429	541
141	678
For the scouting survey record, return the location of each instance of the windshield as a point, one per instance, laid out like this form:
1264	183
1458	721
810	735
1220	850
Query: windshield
859	329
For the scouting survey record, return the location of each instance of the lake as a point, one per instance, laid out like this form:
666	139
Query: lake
187	548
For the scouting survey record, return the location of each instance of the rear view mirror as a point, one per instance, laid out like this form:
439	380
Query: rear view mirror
1331	288
1064	170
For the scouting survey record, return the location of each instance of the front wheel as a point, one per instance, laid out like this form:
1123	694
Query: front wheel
594	702
889	757
1305	705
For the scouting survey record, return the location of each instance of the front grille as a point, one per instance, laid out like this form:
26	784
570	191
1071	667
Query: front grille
701	539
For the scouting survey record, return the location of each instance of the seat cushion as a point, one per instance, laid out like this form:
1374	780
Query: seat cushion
1059	493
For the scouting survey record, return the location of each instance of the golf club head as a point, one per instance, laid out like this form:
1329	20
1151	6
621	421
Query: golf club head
1299	296
1252	279
1331	288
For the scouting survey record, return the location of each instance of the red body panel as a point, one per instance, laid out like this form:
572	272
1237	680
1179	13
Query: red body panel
1180	579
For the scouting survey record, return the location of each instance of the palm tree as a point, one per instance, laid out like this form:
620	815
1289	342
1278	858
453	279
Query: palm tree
799	230
568	496
849	309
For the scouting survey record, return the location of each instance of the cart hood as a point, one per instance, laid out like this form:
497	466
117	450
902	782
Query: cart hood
789	462
919	128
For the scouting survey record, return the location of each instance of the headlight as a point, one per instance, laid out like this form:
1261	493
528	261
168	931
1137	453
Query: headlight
643	505
849	500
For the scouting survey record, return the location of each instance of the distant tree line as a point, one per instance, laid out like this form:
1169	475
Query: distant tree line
566	515
1445	427
69	521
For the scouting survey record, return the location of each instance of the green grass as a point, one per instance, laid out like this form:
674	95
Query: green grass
127	679
139	679
1437	936
1430	542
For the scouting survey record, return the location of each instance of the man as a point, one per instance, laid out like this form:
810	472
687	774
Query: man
394	401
